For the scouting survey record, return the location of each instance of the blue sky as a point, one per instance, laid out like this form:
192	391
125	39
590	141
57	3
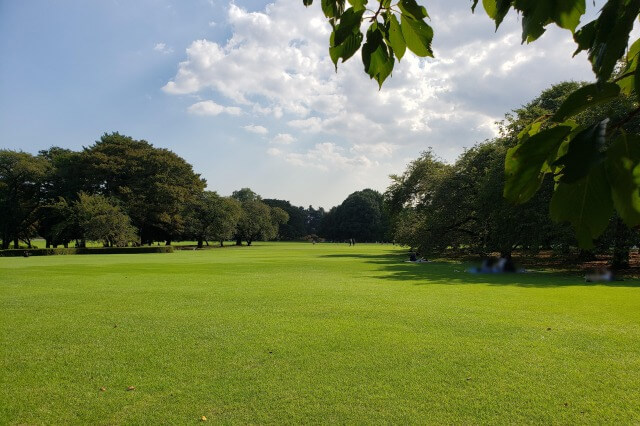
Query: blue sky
245	91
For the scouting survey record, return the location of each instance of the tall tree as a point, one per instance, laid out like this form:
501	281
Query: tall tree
153	184
21	188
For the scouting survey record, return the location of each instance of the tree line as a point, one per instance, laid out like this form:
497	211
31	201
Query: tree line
436	206
123	191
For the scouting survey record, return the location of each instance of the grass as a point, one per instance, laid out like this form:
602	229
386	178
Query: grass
301	333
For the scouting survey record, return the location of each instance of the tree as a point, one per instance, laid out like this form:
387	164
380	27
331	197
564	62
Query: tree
154	185
361	216
212	217
296	227
257	220
594	162
101	219
67	175
21	180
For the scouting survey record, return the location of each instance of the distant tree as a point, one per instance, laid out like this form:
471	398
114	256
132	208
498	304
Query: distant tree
257	221
100	219
296	227
361	216
68	175
21	180
245	194
154	185
313	220
212	217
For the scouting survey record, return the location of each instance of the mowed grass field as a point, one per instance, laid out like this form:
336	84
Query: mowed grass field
300	333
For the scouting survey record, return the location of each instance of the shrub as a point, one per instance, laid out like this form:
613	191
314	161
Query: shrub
87	250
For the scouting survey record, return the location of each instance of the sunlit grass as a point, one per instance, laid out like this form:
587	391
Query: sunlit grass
297	333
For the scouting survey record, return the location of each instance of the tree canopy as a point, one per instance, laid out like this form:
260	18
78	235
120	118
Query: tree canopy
594	163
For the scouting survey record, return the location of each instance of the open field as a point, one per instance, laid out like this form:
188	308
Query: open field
293	333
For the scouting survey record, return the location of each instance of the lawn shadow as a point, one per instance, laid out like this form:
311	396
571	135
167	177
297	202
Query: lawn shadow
456	273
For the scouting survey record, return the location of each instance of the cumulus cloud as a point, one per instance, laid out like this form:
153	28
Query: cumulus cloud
325	156
259	130
276	64
283	139
162	48
212	108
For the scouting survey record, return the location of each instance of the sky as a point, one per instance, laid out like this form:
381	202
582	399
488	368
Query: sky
245	91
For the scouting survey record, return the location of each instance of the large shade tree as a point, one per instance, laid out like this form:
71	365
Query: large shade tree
153	184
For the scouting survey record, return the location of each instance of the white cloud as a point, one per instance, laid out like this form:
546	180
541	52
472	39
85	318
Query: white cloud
259	130
162	48
212	108
325	156
283	139
276	65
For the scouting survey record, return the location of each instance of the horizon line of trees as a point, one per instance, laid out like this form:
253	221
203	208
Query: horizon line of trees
121	191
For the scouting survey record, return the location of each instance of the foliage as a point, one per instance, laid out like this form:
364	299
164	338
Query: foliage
21	186
212	217
553	144
154	185
85	250
361	216
257	220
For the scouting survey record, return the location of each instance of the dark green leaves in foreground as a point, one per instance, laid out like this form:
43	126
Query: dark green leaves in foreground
525	163
623	171
586	204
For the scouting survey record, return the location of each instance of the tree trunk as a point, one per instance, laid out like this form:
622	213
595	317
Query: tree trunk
168	243
199	242
221	243
249	242
206	242
48	243
238	241
15	243
66	244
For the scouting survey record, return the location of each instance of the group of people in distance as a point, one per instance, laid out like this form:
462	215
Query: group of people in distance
493	265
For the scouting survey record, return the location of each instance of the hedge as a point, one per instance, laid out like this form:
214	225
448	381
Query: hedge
88	250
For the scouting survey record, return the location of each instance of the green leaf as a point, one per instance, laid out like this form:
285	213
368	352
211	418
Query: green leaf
584	152
330	8
585	97
358	4
346	49
586	204
396	40
413	9
623	159
525	162
346	38
497	9
417	34
567	13
607	37
377	59
349	24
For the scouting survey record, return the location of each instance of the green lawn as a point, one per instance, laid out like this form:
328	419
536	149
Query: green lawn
301	333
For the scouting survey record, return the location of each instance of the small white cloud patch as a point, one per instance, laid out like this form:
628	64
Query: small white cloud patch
211	108
162	48
259	130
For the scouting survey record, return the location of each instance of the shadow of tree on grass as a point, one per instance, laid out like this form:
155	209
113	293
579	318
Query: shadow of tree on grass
455	273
